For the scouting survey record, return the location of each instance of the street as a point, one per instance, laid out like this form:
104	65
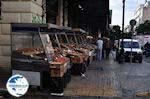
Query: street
134	78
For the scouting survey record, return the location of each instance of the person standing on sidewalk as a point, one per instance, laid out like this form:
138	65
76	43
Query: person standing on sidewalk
99	49
108	48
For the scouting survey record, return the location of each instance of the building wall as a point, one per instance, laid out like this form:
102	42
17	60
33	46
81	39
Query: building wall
142	13
5	51
21	11
146	13
127	28
16	11
139	14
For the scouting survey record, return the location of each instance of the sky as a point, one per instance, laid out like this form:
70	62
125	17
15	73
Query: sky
130	7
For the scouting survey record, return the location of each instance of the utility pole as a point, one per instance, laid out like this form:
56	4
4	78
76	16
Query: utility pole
132	23
59	20
123	17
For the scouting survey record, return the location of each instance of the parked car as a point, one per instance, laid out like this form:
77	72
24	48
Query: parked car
129	46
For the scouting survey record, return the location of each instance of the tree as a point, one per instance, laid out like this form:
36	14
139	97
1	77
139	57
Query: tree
144	28
115	32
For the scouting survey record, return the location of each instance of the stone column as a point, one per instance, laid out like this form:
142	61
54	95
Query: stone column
66	13
59	20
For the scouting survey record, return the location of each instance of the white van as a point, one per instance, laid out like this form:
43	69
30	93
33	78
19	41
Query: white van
128	46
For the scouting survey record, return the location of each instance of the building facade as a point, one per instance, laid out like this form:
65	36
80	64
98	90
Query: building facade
142	13
127	29
16	11
90	15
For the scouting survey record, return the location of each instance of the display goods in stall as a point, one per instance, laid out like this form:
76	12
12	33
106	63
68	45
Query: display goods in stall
77	57
84	46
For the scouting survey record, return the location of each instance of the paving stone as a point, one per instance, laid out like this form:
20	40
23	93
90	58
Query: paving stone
96	83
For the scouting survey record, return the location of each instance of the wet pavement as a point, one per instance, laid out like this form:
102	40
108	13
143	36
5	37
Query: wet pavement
99	80
108	78
105	80
133	78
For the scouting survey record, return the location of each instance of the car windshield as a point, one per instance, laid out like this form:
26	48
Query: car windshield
131	44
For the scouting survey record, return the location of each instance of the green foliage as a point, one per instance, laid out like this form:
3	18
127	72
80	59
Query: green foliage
144	28
115	33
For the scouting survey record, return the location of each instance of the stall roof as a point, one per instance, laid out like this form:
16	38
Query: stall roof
78	30
63	28
35	28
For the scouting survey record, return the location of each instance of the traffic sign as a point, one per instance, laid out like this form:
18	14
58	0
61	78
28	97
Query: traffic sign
132	22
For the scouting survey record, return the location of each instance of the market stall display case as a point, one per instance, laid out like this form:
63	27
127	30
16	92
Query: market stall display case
80	35
62	43
34	57
79	57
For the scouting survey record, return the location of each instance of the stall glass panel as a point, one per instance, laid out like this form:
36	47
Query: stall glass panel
25	44
30	51
62	38
84	39
55	43
29	58
79	39
71	39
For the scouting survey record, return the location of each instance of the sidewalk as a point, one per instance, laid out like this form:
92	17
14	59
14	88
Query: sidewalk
100	80
103	79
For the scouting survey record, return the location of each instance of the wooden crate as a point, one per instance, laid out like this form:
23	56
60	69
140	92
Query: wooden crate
77	59
58	69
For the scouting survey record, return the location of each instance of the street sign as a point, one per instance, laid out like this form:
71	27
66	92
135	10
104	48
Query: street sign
132	22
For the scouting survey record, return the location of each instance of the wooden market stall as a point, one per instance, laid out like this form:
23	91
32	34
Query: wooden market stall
80	35
61	43
34	57
78	56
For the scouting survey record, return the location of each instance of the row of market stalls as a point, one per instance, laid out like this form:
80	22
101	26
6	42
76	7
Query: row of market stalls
47	54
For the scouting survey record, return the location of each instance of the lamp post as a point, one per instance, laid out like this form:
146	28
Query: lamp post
132	23
123	17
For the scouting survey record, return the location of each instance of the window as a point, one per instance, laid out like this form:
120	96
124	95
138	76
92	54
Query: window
129	45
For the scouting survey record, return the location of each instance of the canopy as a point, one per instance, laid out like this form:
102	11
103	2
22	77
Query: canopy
35	28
